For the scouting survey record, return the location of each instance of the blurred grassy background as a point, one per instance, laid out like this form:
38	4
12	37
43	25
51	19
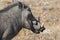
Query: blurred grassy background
49	13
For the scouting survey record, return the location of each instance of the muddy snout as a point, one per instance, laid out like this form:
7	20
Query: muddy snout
42	29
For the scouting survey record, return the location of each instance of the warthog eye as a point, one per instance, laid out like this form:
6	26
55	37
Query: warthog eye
25	6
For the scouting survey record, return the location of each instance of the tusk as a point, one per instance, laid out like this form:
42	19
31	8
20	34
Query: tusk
38	19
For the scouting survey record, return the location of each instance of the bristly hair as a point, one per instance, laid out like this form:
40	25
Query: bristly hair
10	6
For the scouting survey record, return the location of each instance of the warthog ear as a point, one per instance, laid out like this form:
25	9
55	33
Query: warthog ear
20	5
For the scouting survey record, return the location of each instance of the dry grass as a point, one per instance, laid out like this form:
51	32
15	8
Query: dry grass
49	13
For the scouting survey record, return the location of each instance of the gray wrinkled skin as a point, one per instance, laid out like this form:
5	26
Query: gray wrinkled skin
15	17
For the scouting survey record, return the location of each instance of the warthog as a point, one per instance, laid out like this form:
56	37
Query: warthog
15	17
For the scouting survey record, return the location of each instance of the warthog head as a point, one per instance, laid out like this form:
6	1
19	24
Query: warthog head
30	22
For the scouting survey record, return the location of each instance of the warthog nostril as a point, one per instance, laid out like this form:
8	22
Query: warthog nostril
42	29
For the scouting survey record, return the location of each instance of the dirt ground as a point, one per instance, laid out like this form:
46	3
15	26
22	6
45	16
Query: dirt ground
49	13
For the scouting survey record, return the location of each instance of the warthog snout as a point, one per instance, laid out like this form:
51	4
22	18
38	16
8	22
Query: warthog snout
42	29
37	28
